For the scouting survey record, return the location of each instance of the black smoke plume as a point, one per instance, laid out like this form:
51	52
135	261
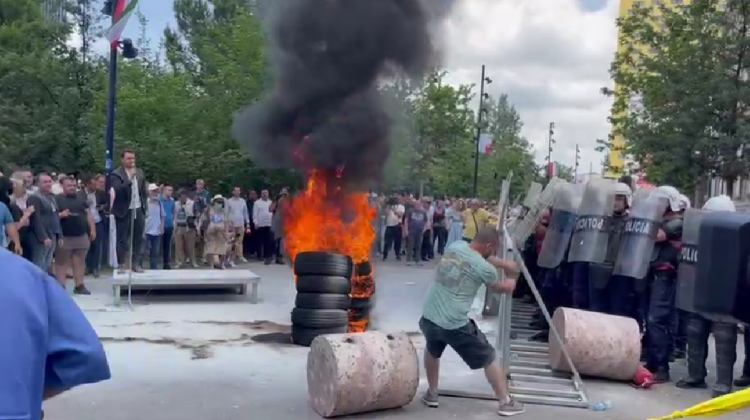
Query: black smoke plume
325	111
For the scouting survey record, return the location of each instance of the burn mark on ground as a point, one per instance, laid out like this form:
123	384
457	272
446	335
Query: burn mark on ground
202	349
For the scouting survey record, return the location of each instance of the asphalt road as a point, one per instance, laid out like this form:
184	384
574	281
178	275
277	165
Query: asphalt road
193	358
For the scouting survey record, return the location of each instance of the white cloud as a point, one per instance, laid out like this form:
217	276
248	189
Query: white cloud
99	46
550	57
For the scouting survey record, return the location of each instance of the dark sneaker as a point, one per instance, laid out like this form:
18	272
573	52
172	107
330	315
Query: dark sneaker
691	383
430	399
81	290
742	381
511	408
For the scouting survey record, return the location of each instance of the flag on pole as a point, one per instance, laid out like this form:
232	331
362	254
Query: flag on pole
123	9
552	169
485	143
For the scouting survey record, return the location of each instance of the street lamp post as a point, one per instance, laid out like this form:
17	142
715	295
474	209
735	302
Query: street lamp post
482	110
550	142
130	52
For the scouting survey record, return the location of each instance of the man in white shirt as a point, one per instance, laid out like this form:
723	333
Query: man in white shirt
262	219
394	215
240	219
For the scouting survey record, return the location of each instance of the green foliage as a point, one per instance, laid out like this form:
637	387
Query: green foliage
688	68
175	104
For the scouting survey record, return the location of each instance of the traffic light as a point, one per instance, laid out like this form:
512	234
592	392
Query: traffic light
578	156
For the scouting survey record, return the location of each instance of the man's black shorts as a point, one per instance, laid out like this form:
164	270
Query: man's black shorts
468	341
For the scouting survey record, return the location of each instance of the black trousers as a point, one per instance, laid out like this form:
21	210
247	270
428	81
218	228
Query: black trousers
166	248
393	236
250	242
439	235
614	299
266	243
725	337
278	244
581	286
134	221
428	248
94	256
659	321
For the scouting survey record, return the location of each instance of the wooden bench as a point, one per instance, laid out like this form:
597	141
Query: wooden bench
184	279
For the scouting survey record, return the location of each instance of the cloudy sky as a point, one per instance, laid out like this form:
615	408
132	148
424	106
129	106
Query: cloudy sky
550	56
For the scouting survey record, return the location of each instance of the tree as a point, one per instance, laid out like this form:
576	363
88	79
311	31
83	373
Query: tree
681	94
511	152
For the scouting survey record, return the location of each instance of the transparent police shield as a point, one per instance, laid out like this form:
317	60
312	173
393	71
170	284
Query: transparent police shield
639	237
592	229
686	271
561	224
535	190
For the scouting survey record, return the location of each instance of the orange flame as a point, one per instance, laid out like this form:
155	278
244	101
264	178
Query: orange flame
324	218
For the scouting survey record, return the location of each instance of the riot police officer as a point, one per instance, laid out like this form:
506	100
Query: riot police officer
663	274
699	328
608	293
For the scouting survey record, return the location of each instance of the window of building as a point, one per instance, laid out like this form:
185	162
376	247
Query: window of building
677	2
638	4
658	3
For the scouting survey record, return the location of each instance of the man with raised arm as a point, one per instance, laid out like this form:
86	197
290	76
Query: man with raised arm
464	268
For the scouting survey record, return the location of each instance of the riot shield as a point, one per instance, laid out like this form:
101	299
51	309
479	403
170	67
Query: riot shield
686	271
561	224
532	195
639	237
592	229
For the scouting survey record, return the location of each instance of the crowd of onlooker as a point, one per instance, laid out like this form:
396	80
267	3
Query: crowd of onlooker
62	224
418	229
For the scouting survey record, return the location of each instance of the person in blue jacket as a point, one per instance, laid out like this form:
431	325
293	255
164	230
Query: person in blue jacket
46	344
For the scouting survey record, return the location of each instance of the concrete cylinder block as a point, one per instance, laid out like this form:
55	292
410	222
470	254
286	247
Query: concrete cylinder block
359	373
600	345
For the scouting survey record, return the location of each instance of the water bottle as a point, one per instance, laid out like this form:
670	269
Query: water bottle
602	406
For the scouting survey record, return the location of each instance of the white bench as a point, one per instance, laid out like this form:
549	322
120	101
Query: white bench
172	279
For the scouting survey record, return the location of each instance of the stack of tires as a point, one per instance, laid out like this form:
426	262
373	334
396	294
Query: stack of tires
322	302
362	306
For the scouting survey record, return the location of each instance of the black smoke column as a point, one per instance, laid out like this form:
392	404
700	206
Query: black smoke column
325	111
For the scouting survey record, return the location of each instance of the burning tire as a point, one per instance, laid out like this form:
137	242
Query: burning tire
324	284
360	309
322	301
319	318
302	336
323	264
363	269
323	288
